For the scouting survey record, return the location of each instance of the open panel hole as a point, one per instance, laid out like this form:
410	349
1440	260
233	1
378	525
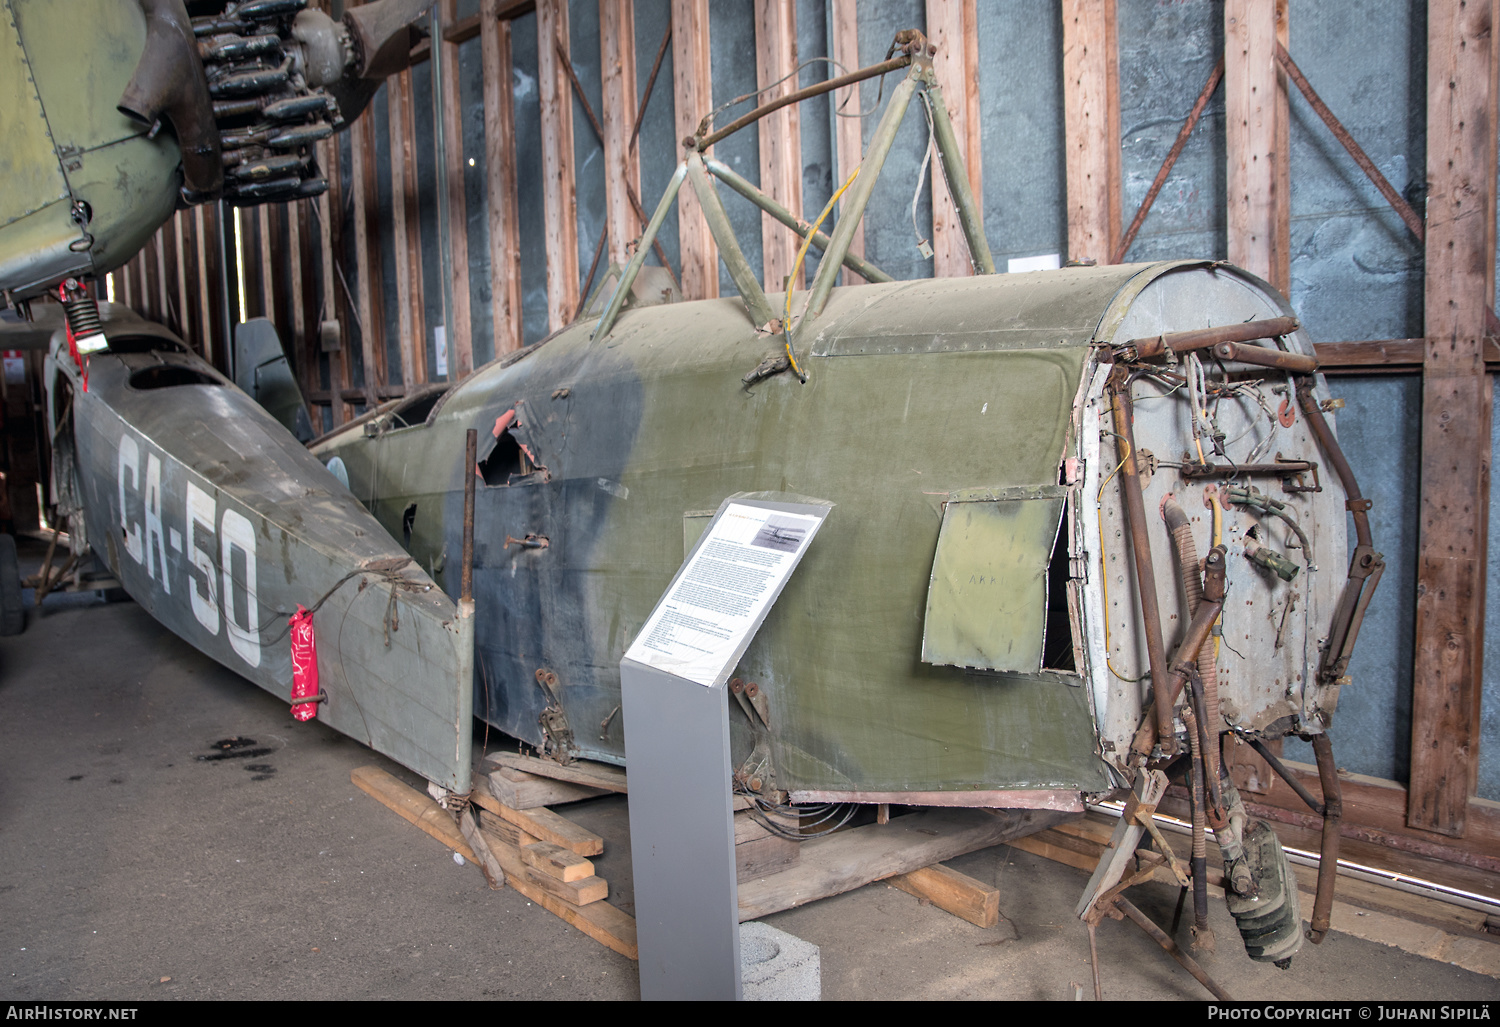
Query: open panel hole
166	376
1057	648
505	461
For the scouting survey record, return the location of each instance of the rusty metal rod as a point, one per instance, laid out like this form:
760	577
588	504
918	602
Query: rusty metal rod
1286	775
1211	470
1145	571
701	142
1353	499
1166	165
1395	199
1206	338
1189	964
471	471
1328	855
1265	356
869	272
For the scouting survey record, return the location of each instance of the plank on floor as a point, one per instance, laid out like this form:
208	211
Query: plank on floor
541	823
850	859
582	772
606	924
953	892
520	790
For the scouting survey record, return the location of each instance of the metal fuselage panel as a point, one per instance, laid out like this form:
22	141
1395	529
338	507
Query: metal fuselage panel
918	392
220	525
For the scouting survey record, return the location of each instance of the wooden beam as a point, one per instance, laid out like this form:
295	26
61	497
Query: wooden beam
406	228
460	338
1255	133
693	95
503	204
848	126
268	261
851	859
205	309
303	289
622	166
159	296
780	134
558	189
366	269
1091	117
953	892
952	28
1456	402
243	230
1387	356
183	323
335	302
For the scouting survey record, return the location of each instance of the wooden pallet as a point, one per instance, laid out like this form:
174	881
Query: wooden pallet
544	856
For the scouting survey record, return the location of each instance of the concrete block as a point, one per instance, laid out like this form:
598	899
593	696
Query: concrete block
778	967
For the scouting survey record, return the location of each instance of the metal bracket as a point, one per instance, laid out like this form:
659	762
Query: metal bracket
554	722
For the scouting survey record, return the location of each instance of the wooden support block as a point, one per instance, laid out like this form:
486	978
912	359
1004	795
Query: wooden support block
505	830
541	823
583	772
556	861
579	893
953	892
606	924
412	805
759	851
520	790
847	860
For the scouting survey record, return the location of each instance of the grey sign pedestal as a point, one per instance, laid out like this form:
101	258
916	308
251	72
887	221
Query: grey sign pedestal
676	715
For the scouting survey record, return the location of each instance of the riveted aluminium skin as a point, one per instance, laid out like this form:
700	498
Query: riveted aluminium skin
1145	569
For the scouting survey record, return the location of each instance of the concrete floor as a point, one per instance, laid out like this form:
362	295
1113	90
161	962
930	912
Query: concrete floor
130	869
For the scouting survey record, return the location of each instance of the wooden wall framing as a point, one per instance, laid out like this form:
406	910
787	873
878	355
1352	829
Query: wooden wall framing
1091	114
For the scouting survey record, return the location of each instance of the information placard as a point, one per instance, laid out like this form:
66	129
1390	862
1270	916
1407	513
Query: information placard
704	621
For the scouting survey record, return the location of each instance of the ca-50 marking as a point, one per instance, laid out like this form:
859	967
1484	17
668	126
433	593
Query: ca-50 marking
141	494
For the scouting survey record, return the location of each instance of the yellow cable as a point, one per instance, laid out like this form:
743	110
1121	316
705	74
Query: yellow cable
786	319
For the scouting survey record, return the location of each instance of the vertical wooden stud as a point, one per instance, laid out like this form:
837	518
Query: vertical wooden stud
460	338
780	137
1254	103
1456	412
558	187
693	94
500	179
181	239
622	168
159	244
1091	100
335	305
848	131
406	226
367	254
951	28
205	308
268	261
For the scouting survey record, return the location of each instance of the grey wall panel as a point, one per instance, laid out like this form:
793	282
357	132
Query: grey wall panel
476	203
1380	430
1356	268
732	53
818	162
387	236
658	147
533	225
1167	51
890	241
427	200
588	148
1020	102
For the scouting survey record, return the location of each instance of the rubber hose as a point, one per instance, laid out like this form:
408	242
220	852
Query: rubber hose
1192	586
